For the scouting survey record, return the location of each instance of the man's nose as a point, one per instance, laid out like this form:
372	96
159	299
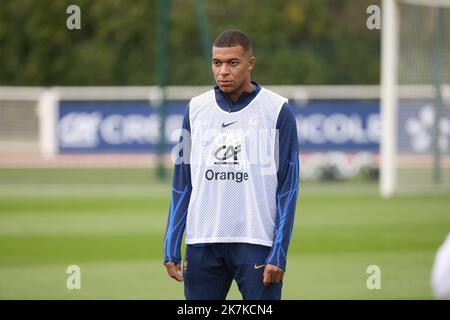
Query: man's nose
224	69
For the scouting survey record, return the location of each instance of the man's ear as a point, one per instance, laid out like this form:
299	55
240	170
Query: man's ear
251	63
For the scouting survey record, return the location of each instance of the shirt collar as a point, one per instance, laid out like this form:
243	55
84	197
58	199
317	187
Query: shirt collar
244	96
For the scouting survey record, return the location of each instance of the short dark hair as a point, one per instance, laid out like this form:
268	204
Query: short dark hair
231	38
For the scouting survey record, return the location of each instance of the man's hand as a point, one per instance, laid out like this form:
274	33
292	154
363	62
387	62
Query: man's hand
174	270
272	274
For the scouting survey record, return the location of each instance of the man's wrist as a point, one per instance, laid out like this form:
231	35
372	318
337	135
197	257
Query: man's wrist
174	260
279	265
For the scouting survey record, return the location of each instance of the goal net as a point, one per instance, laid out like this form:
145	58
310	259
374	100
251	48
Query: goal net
415	104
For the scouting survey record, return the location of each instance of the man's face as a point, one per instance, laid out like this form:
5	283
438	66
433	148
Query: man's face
231	67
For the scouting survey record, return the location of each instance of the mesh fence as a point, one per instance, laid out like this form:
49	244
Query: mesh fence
423	159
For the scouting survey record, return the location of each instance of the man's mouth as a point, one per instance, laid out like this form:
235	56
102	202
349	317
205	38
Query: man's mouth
225	83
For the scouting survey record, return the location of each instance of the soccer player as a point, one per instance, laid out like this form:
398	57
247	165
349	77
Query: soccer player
235	183
440	274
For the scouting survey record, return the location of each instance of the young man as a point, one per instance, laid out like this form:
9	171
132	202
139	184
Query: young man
235	183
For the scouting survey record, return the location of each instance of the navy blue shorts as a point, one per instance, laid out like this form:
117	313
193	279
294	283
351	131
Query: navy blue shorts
209	270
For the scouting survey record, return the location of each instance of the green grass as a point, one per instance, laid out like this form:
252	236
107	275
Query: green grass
111	223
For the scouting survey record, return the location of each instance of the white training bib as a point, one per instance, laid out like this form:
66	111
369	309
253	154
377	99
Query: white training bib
233	170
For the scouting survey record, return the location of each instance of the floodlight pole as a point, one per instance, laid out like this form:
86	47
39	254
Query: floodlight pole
161	80
205	31
439	104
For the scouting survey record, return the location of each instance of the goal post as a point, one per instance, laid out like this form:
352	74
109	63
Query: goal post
388	106
415	105
48	114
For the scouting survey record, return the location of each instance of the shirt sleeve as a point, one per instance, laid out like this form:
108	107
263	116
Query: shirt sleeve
287	191
180	195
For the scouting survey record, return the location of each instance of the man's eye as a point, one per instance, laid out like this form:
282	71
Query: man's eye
233	63
216	63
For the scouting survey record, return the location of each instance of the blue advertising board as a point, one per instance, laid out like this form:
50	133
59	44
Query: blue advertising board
344	125
323	125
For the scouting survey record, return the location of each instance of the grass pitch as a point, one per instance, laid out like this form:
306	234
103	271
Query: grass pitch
111	223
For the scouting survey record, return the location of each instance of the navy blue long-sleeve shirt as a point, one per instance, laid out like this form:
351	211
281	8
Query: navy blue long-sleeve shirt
287	175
